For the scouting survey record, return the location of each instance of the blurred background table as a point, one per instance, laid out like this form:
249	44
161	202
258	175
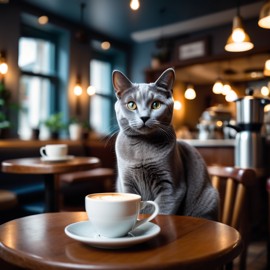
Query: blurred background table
39	242
49	170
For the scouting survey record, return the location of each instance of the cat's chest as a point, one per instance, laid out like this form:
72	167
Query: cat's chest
137	151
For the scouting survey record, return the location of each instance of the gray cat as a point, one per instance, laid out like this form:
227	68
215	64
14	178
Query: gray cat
150	161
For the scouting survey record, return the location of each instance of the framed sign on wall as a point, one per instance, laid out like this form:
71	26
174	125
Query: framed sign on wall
192	49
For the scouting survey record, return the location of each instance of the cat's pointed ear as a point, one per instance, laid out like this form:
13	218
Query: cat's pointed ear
120	82
166	79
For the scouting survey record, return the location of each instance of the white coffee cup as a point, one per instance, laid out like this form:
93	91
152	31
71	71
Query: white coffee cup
54	150
115	214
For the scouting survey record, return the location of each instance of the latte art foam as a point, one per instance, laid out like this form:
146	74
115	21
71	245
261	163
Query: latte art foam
112	197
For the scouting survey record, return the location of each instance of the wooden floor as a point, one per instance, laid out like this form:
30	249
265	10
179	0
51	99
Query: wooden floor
257	253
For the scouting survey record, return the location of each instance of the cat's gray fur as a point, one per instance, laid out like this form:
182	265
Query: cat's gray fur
150	161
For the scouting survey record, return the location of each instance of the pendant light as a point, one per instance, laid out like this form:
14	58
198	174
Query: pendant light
190	92
238	41
264	20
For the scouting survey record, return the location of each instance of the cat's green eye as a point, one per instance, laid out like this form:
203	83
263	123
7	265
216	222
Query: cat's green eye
155	105
132	105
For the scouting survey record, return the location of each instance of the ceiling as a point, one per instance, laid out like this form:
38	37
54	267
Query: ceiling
114	18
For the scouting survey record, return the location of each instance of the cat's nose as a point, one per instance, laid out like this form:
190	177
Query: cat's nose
145	118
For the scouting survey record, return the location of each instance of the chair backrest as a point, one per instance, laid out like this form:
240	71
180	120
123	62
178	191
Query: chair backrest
232	184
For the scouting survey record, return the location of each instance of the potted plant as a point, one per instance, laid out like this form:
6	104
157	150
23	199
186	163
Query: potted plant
5	96
75	129
55	124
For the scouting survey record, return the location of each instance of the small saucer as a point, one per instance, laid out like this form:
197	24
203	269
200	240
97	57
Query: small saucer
56	159
84	232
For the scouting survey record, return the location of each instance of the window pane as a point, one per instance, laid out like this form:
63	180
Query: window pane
36	55
101	102
100	76
34	100
100	114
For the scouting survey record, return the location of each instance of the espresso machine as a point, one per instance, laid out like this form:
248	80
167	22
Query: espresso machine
249	141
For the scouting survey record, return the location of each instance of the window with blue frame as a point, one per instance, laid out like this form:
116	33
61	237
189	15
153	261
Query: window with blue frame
38	83
102	117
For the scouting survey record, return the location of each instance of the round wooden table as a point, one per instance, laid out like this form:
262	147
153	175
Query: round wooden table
49	170
39	242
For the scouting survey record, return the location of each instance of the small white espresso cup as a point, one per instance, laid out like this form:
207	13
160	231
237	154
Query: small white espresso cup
114	214
54	150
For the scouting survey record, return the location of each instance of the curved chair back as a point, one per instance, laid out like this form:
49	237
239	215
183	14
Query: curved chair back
233	185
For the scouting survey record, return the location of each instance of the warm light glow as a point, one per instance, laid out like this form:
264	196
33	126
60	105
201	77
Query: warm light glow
177	105
105	45
77	90
265	91
226	89
239	40
264	20
134	4
219	123
266	71
43	20
267	108
190	93
3	68
231	96
238	35
217	87
91	90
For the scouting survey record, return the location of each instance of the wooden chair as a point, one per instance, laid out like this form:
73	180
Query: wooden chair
233	185
268	234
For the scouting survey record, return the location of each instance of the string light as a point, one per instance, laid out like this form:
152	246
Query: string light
217	87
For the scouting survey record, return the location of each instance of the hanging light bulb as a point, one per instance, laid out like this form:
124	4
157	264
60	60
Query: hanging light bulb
238	41
134	4
264	20
217	87
190	93
77	90
3	63
266	71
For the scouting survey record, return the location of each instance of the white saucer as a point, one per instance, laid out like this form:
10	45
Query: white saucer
55	159
84	232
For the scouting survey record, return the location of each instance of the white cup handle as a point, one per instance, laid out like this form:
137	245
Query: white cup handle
42	151
152	216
